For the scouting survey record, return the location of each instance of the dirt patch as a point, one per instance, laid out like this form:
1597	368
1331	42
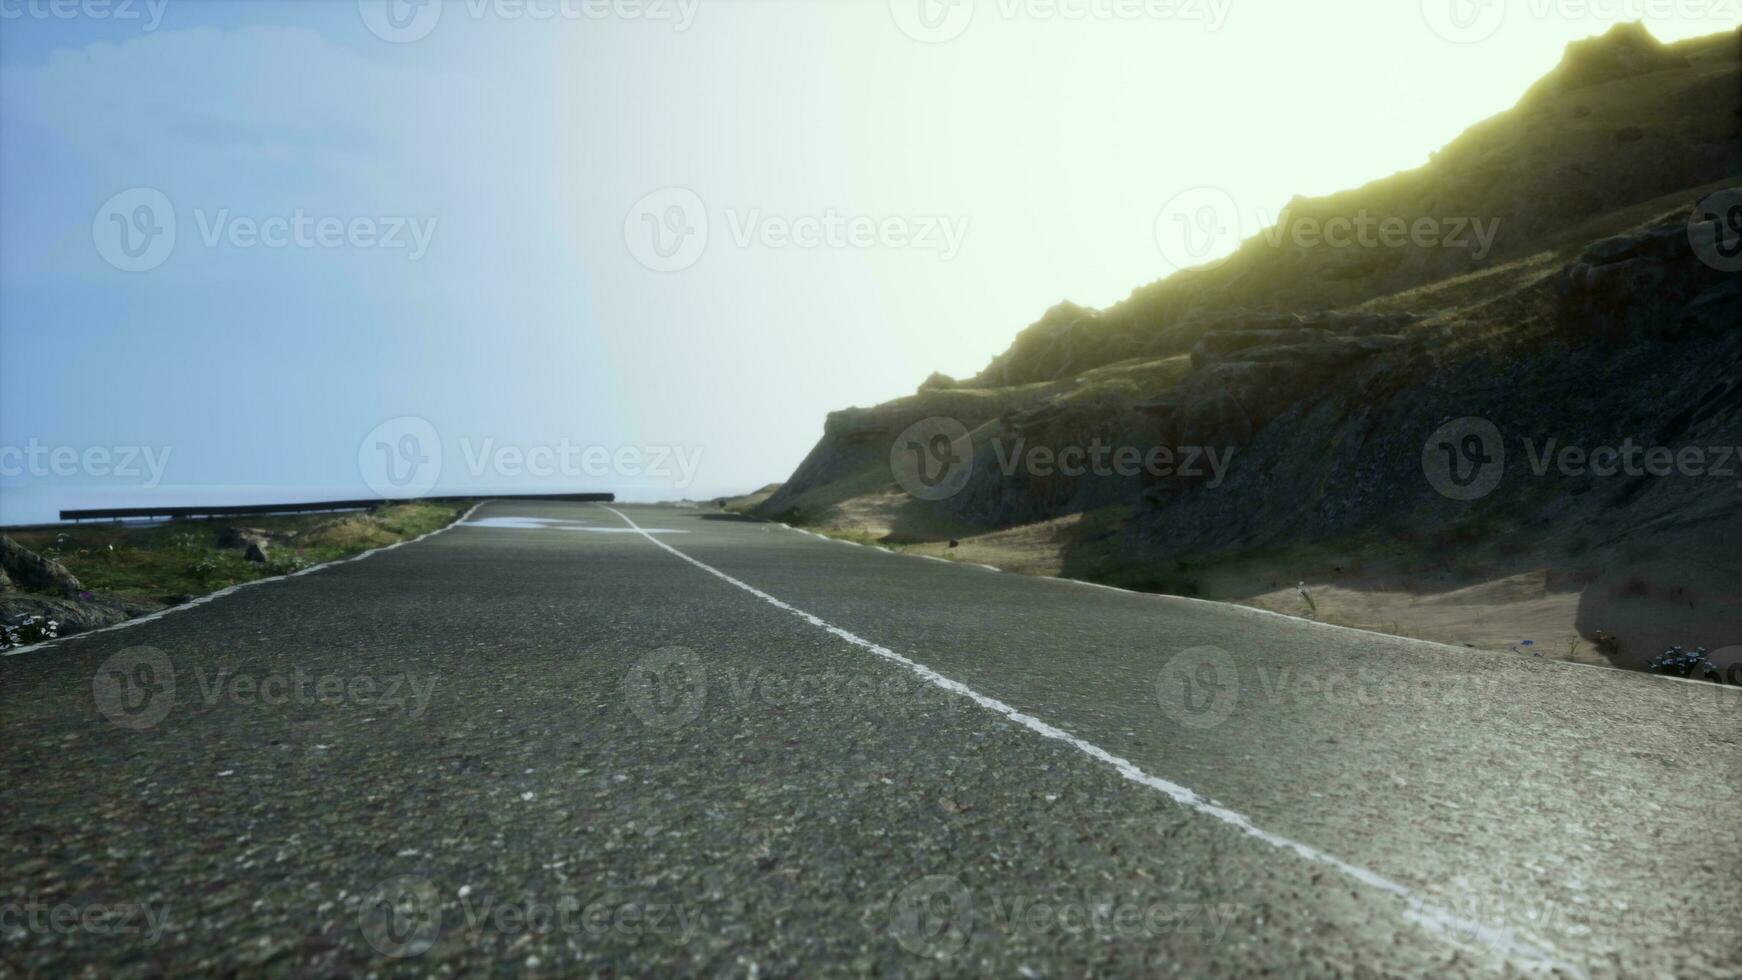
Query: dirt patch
1604	608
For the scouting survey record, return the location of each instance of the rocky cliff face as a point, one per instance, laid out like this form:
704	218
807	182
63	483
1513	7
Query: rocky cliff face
1622	121
1314	381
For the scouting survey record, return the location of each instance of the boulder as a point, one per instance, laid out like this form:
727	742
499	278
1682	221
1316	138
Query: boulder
32	571
74	615
1666	243
256	552
1649	281
242	537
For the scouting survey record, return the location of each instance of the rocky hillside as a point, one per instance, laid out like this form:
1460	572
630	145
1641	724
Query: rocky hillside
1315	383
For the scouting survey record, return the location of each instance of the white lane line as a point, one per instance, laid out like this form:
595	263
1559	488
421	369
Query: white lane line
1436	919
228	590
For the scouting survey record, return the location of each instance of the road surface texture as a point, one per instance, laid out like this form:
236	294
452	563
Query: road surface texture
571	739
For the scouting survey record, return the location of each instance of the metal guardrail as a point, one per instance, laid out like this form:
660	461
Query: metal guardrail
118	513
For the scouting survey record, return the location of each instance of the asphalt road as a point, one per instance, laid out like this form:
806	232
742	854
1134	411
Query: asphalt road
547	742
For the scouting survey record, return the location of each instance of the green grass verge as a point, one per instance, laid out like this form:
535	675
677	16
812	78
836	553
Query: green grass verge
153	563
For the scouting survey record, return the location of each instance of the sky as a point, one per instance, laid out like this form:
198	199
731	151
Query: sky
256	251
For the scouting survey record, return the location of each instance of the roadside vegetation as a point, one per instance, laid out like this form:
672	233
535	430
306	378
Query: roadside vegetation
130	569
